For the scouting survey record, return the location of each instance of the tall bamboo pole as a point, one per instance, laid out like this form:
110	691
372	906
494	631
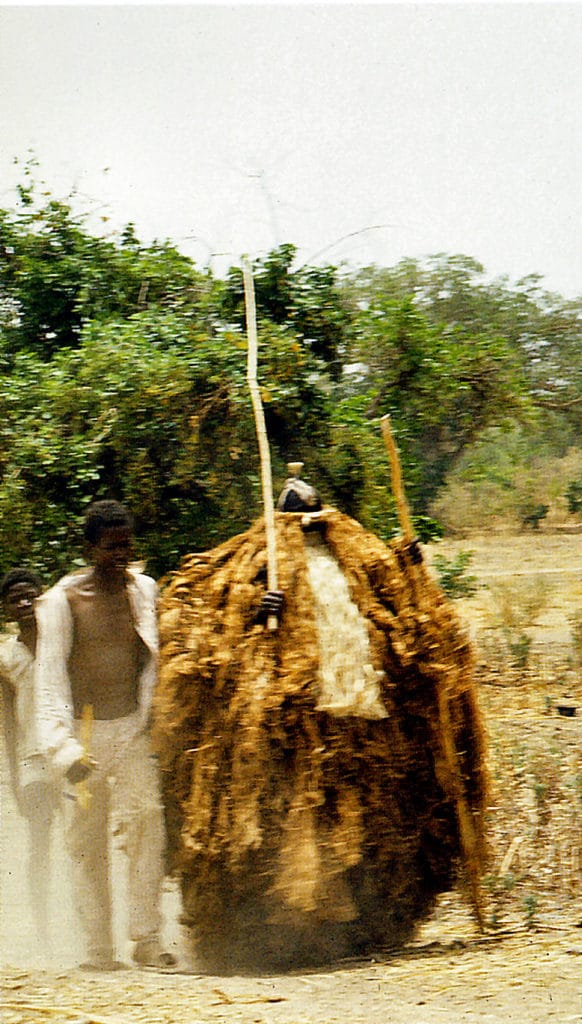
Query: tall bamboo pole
264	451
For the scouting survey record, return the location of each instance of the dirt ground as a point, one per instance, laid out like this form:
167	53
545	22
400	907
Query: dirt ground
527	964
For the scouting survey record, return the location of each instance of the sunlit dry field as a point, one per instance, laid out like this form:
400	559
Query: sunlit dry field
527	964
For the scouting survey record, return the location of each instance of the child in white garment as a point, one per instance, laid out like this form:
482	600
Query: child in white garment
35	792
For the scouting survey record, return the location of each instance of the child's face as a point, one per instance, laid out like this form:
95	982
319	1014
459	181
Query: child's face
19	603
114	550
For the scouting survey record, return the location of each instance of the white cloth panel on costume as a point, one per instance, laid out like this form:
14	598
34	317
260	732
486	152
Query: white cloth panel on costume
348	684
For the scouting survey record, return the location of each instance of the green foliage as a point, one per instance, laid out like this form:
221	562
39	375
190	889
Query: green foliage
56	276
151	413
530	908
123	373
427	528
451	355
442	384
506	476
574	497
452	575
532	516
519	648
355	471
306	300
575	621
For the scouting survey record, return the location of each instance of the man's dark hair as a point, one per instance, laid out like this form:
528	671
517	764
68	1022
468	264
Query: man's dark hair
18	575
105	515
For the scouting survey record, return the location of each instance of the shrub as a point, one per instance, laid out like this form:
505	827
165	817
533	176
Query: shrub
574	497
452	578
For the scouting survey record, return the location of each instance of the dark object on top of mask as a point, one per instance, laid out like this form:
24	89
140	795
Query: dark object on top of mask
297	496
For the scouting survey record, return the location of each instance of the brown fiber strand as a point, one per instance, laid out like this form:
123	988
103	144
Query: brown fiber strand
278	812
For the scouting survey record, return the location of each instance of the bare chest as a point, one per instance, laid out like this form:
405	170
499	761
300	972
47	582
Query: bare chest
102	619
107	654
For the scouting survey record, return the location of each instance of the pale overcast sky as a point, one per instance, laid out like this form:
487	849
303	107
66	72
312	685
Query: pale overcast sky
411	129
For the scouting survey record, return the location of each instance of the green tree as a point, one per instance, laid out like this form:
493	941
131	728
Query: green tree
442	384
306	300
154	412
543	330
123	373
55	276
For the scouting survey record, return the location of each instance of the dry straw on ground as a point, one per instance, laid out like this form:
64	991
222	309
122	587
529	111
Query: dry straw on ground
296	830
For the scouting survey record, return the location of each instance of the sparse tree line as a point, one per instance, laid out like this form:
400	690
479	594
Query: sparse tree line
123	374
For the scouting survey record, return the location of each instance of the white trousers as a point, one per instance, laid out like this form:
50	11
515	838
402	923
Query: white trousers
124	798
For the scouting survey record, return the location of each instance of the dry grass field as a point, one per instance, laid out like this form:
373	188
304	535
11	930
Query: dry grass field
527	967
525	619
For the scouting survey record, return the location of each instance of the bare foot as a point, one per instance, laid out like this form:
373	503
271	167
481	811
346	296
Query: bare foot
149	953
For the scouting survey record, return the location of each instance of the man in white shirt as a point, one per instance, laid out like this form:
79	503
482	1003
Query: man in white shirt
97	657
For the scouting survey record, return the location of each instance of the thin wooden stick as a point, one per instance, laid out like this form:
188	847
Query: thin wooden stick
454	781
397	488
83	791
264	452
467	833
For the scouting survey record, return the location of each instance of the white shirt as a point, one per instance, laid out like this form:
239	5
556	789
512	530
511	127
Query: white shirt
16	667
54	700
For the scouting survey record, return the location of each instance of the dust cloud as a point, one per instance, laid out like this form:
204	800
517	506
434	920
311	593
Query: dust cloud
19	943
